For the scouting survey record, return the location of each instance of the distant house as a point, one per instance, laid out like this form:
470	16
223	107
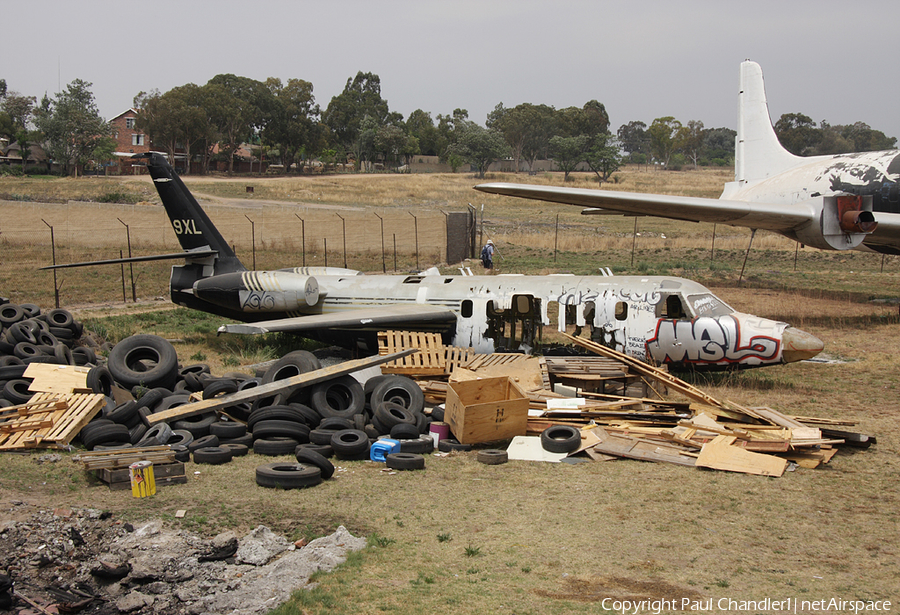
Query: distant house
12	154
129	141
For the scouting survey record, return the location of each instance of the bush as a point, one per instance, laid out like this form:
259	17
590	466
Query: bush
10	170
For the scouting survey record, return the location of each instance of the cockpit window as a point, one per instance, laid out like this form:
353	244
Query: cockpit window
671	307
707	304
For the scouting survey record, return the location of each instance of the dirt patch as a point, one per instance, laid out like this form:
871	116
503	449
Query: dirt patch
597	589
88	561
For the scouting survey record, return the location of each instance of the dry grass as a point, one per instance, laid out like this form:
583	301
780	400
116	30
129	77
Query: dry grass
554	538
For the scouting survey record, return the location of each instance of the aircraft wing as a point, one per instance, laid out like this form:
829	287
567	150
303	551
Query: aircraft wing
403	316
770	216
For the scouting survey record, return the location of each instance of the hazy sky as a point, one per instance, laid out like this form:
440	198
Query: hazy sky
831	60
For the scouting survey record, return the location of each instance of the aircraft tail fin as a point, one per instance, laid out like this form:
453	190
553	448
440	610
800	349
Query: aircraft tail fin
194	229
758	154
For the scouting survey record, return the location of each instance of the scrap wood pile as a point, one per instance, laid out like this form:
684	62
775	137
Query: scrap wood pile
704	432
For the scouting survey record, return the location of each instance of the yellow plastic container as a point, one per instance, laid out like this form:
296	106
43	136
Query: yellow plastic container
143	482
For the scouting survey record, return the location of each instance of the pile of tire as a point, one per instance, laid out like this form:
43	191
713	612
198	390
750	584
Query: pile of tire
338	417
29	335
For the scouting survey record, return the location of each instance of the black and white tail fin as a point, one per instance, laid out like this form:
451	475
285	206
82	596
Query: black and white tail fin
194	229
758	154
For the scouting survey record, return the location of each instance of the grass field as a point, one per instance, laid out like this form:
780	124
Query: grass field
527	537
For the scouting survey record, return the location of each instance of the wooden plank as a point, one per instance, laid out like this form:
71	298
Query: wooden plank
648	371
21	410
265	390
635	448
122	458
720	454
52	378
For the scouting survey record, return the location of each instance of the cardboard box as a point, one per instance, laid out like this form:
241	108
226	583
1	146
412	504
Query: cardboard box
486	410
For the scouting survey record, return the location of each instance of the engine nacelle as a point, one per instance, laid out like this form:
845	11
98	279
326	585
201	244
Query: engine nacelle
259	291
843	223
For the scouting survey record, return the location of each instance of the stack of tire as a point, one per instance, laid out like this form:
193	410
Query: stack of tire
337	417
28	335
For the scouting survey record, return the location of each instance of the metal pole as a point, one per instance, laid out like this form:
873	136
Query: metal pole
124	297
395	251
383	264
481	228
746	254
344	231
712	252
302	237
633	241
130	265
796	254
252	238
53	252
325	247
416	227
556	239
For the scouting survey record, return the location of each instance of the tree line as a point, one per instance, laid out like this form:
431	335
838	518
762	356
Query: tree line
283	122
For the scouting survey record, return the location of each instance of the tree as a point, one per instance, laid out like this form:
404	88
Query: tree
540	125
104	151
19	108
718	145
293	124
240	107
568	152
866	139
421	127
691	138
479	147
176	118
449	128
345	113
634	139
512	124
797	133
664	138
603	157
72	125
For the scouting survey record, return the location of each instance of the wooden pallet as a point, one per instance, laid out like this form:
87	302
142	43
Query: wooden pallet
430	360
48	420
111	460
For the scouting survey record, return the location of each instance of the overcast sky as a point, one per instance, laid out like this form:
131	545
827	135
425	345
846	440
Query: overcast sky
831	60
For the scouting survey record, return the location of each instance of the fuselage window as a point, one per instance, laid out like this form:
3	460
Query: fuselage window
621	310
466	309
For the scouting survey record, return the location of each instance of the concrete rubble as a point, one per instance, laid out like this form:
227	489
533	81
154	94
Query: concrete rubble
87	561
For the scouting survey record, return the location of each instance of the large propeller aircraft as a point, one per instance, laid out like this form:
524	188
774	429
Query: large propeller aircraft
838	202
664	319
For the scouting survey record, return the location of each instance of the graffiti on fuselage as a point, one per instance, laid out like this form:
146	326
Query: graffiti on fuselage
252	300
709	340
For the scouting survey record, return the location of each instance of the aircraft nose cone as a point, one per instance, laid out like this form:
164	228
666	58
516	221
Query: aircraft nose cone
800	345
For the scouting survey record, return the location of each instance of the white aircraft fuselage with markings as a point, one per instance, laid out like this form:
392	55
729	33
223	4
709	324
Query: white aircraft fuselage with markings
662	319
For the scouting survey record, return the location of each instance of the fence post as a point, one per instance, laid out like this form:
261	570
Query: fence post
53	252
383	264
252	238
416	226
130	265
302	237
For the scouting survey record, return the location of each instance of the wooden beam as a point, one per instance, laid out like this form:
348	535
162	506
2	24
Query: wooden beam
265	390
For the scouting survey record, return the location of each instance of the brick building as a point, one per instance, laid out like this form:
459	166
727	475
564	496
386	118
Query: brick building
129	141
